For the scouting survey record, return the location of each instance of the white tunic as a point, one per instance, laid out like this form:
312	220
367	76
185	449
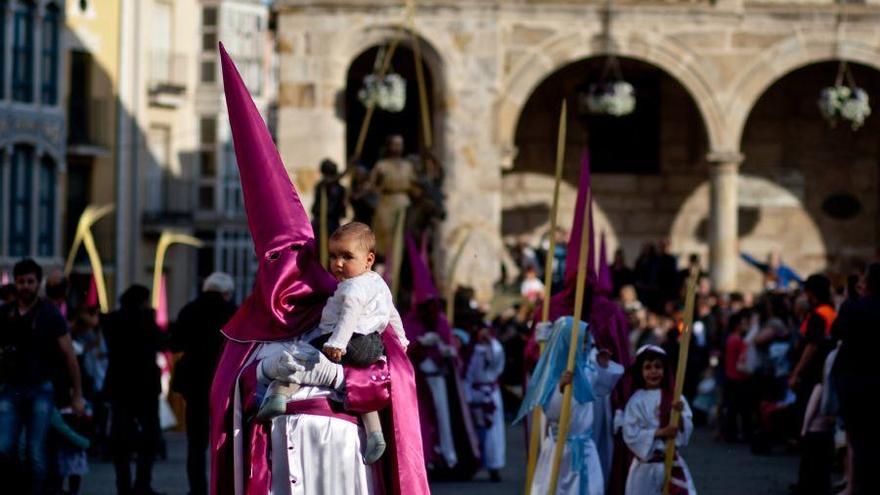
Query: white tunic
305	448
580	435
437	384
486	365
641	419
361	305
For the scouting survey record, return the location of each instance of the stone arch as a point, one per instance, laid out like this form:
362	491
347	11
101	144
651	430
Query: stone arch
366	37
566	48
784	58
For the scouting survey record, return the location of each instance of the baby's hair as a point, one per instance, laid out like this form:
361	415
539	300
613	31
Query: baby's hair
359	231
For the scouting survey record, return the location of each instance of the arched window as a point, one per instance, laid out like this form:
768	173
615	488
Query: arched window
23	52
21	192
46	208
49	55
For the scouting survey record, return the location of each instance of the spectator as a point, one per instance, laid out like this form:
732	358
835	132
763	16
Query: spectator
816	340
667	274
7	294
856	377
531	288
196	333
621	274
34	345
133	339
330	185
57	287
736	393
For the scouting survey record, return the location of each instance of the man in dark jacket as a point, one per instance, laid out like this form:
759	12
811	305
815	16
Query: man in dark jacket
196	333
133	386
857	379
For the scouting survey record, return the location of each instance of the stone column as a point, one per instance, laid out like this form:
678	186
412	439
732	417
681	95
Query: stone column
723	224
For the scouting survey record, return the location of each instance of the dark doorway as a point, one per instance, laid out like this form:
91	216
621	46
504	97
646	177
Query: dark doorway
407	122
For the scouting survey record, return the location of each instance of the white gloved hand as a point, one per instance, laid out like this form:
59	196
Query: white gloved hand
429	339
321	372
542	331
280	366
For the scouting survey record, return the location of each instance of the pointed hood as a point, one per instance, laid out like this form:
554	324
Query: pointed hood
604	284
574	239
92	294
423	288
291	286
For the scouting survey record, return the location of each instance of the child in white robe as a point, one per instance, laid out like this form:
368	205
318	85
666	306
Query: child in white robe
646	428
484	396
580	470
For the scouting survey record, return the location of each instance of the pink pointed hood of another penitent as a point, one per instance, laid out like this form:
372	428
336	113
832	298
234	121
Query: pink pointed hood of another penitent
291	285
604	282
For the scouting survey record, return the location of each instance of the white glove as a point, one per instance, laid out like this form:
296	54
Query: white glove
321	372
429	339
280	366
542	331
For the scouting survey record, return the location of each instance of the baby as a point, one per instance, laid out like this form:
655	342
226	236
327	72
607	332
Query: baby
351	323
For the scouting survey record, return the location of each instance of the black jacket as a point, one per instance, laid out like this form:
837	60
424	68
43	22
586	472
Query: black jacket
196	333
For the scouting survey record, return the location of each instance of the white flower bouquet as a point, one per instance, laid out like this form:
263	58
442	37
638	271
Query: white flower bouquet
388	93
616	98
846	103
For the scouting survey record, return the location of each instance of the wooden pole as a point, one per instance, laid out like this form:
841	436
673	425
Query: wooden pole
423	91
565	416
535	435
323	235
683	347
450	279
165	240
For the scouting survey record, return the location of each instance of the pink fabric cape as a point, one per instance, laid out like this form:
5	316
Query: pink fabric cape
290	291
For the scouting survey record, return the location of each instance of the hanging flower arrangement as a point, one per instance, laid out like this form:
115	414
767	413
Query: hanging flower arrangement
844	101
387	93
617	98
611	95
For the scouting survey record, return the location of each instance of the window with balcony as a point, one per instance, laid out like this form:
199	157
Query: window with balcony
49	56
20	209
23	52
46	208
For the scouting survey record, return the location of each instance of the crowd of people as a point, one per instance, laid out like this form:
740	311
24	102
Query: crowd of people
776	370
292	380
77	384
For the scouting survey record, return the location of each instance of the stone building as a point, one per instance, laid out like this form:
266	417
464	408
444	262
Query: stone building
726	152
32	131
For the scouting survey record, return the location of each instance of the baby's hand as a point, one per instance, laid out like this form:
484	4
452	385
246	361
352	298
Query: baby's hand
333	354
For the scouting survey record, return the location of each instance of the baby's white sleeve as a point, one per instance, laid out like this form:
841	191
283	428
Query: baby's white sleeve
397	325
349	311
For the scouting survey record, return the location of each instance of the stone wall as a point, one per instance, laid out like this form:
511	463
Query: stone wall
489	56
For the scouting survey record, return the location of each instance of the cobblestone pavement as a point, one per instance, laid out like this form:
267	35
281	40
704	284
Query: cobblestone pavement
718	469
